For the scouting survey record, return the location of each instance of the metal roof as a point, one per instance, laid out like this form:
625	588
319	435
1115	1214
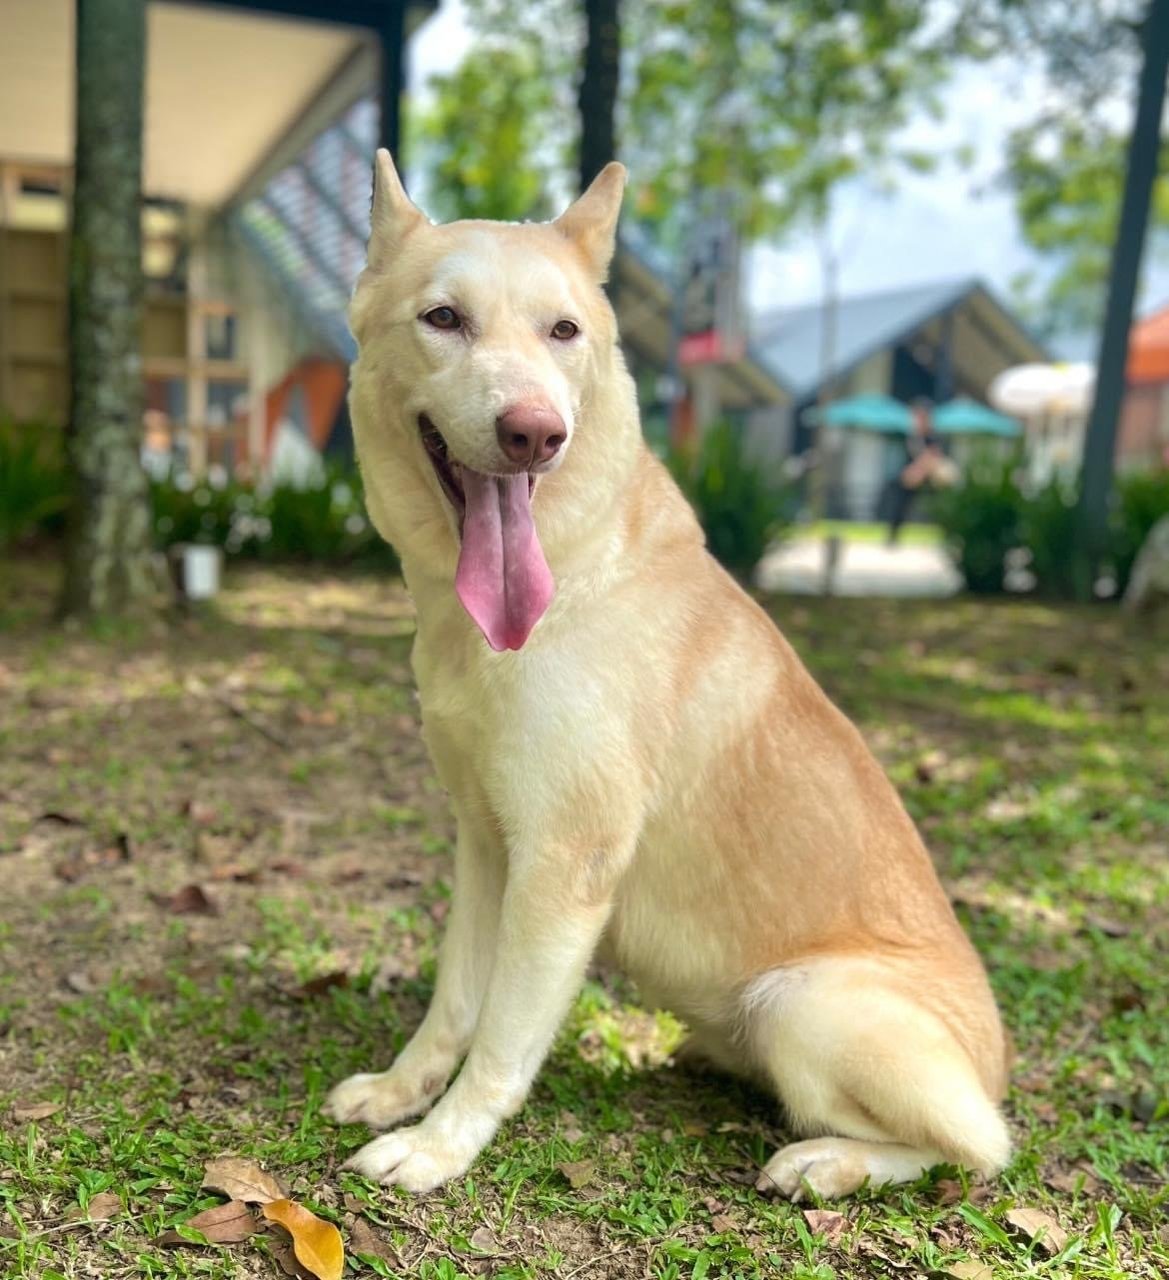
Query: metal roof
789	339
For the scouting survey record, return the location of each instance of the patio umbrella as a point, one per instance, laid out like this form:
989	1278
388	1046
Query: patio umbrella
967	417
867	413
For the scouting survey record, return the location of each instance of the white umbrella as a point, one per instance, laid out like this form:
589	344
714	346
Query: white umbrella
1031	389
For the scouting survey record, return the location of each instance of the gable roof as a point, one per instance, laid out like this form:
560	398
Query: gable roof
790	338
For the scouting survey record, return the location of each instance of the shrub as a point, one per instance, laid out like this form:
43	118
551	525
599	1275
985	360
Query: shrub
33	489
1142	498
1048	529
323	521
742	504
981	518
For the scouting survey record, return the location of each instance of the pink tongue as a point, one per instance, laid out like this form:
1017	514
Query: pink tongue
503	579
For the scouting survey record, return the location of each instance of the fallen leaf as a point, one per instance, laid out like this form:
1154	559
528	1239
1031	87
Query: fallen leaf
695	1129
241	1180
35	1111
1108	927
316	1243
483	1239
323	982
439	909
1073	1181
366	1242
222	1224
1040	1227
190	900
720	1223
970	1270
578	1172
826	1222
951	1191
103	1205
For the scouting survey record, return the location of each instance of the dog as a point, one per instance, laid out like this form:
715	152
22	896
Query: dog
638	762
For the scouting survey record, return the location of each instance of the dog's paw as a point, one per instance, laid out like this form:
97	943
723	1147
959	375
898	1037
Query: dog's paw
417	1159
382	1099
825	1166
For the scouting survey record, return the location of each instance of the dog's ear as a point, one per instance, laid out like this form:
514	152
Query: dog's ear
591	223
394	214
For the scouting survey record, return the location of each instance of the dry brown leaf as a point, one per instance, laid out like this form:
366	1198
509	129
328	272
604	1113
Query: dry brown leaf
190	900
951	1191
222	1224
720	1223
35	1111
1040	1227
323	982
102	1206
483	1239
364	1240
1073	1181
241	1179
578	1172
826	1222
970	1270
316	1243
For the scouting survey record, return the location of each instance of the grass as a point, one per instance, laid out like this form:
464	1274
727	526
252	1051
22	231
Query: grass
269	753
912	534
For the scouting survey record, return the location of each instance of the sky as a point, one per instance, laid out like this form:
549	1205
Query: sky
951	224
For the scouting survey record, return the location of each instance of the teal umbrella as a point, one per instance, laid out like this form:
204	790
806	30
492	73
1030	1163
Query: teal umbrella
870	412
968	417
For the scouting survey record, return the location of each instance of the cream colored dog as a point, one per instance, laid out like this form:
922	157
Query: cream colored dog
637	760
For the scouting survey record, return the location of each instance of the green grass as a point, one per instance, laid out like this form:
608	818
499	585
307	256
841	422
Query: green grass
268	751
912	534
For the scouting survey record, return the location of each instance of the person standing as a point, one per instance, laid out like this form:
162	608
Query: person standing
924	460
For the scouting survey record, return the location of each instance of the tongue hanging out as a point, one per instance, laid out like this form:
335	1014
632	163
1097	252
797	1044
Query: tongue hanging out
503	579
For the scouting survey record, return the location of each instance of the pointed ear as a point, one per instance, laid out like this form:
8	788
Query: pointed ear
591	223
394	215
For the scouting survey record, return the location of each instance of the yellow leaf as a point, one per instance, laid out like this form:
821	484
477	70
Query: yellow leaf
317	1244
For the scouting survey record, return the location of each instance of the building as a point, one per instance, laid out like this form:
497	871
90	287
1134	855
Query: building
1143	439
936	340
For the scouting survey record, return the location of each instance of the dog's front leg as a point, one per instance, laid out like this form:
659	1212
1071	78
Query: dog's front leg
422	1069
554	909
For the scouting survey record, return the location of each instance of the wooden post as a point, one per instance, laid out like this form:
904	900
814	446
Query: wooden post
392	39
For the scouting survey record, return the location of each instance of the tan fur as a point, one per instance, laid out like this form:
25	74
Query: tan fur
654	772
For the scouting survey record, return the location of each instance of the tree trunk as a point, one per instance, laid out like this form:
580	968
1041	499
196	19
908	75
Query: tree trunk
1100	440
598	88
109	567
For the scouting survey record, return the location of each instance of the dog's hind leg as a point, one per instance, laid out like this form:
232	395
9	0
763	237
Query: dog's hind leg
422	1069
857	1059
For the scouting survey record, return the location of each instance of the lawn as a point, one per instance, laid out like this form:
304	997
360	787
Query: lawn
225	865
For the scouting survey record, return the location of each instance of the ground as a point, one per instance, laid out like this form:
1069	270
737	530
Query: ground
225	864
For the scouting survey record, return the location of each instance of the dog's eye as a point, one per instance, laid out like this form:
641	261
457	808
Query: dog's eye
443	318
565	329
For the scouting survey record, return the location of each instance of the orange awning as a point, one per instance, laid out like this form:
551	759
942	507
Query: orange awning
1148	349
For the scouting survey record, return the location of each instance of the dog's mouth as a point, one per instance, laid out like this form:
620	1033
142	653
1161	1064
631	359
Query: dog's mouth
449	469
502	579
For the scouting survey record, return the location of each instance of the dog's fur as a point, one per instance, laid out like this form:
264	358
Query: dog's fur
654	772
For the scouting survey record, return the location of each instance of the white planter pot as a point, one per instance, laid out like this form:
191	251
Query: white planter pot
201	569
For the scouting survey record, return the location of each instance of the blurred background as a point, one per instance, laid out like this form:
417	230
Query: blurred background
835	211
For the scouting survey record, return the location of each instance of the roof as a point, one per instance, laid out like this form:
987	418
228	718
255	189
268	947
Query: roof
1148	348
790	339
223	85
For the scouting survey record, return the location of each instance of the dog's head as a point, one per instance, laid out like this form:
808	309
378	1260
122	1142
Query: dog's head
488	371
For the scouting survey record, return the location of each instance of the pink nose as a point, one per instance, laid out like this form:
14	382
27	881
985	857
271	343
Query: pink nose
530	433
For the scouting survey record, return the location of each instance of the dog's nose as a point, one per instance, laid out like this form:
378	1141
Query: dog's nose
530	433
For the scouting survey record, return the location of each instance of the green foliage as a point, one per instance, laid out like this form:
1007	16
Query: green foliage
1047	528
481	140
776	102
992	512
322	522
33	488
981	520
1142	498
742	505
1068	177
772	101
